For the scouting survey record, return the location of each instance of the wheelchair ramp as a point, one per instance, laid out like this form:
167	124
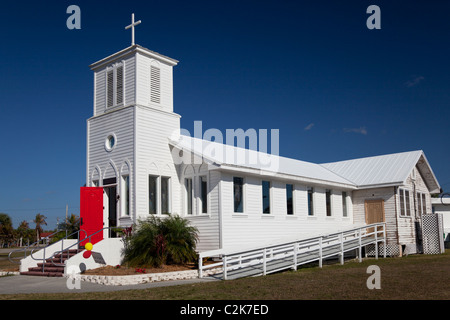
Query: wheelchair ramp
290	255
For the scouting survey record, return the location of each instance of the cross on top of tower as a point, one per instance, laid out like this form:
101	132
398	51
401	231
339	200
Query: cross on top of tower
132	25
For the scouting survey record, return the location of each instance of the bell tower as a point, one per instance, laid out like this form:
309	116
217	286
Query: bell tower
127	136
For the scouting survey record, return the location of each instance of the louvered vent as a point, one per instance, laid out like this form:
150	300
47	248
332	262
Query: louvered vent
119	93
155	84
110	88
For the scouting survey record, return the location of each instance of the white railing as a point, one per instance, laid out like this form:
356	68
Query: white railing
288	255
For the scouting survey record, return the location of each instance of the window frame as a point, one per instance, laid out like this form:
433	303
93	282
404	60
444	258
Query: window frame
115	87
310	201
125	191
156	204
421	203
269	191
189	196
111	142
242	200
203	197
344	205
292	199
329	202
424	203
405	203
168	200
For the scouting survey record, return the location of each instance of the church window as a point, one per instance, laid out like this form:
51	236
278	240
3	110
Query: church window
328	202
110	142
238	194
344	204
165	191
310	201
126	195
266	197
189	195
289	199
405	204
204	193
152	194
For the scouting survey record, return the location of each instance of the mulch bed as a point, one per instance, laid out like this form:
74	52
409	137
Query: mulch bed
126	271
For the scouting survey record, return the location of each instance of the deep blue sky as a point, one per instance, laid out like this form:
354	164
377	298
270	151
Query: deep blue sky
312	69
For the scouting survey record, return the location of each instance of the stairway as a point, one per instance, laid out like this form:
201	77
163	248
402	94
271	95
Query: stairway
48	269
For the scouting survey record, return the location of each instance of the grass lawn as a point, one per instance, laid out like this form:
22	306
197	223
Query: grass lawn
6	265
418	277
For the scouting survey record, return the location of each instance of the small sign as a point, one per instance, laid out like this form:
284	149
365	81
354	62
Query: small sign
98	258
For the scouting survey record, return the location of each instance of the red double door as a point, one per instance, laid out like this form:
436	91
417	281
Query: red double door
91	213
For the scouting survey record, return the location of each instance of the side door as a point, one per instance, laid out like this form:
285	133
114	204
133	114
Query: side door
374	212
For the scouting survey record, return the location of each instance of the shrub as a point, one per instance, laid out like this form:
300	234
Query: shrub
157	241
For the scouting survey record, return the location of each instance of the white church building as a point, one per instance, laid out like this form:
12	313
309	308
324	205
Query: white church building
136	152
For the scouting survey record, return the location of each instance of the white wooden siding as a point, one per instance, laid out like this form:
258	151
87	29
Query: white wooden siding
252	227
207	224
386	194
110	164
130	80
400	229
143	83
153	155
421	187
406	225
129	88
100	92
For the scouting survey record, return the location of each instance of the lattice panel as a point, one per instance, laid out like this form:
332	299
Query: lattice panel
432	234
392	250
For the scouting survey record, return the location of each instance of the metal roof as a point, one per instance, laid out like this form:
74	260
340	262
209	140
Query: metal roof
227	157
391	169
370	172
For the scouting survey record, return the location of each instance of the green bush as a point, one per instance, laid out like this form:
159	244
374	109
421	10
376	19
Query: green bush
157	241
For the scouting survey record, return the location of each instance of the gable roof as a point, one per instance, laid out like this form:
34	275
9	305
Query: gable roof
233	158
385	170
363	173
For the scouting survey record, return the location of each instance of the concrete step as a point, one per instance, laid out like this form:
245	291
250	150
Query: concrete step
48	269
42	274
52	266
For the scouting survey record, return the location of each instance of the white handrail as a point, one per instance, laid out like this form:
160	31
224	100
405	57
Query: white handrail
313	245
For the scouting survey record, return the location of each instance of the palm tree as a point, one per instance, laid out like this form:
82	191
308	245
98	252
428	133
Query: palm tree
71	225
6	229
180	240
157	241
39	221
23	231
